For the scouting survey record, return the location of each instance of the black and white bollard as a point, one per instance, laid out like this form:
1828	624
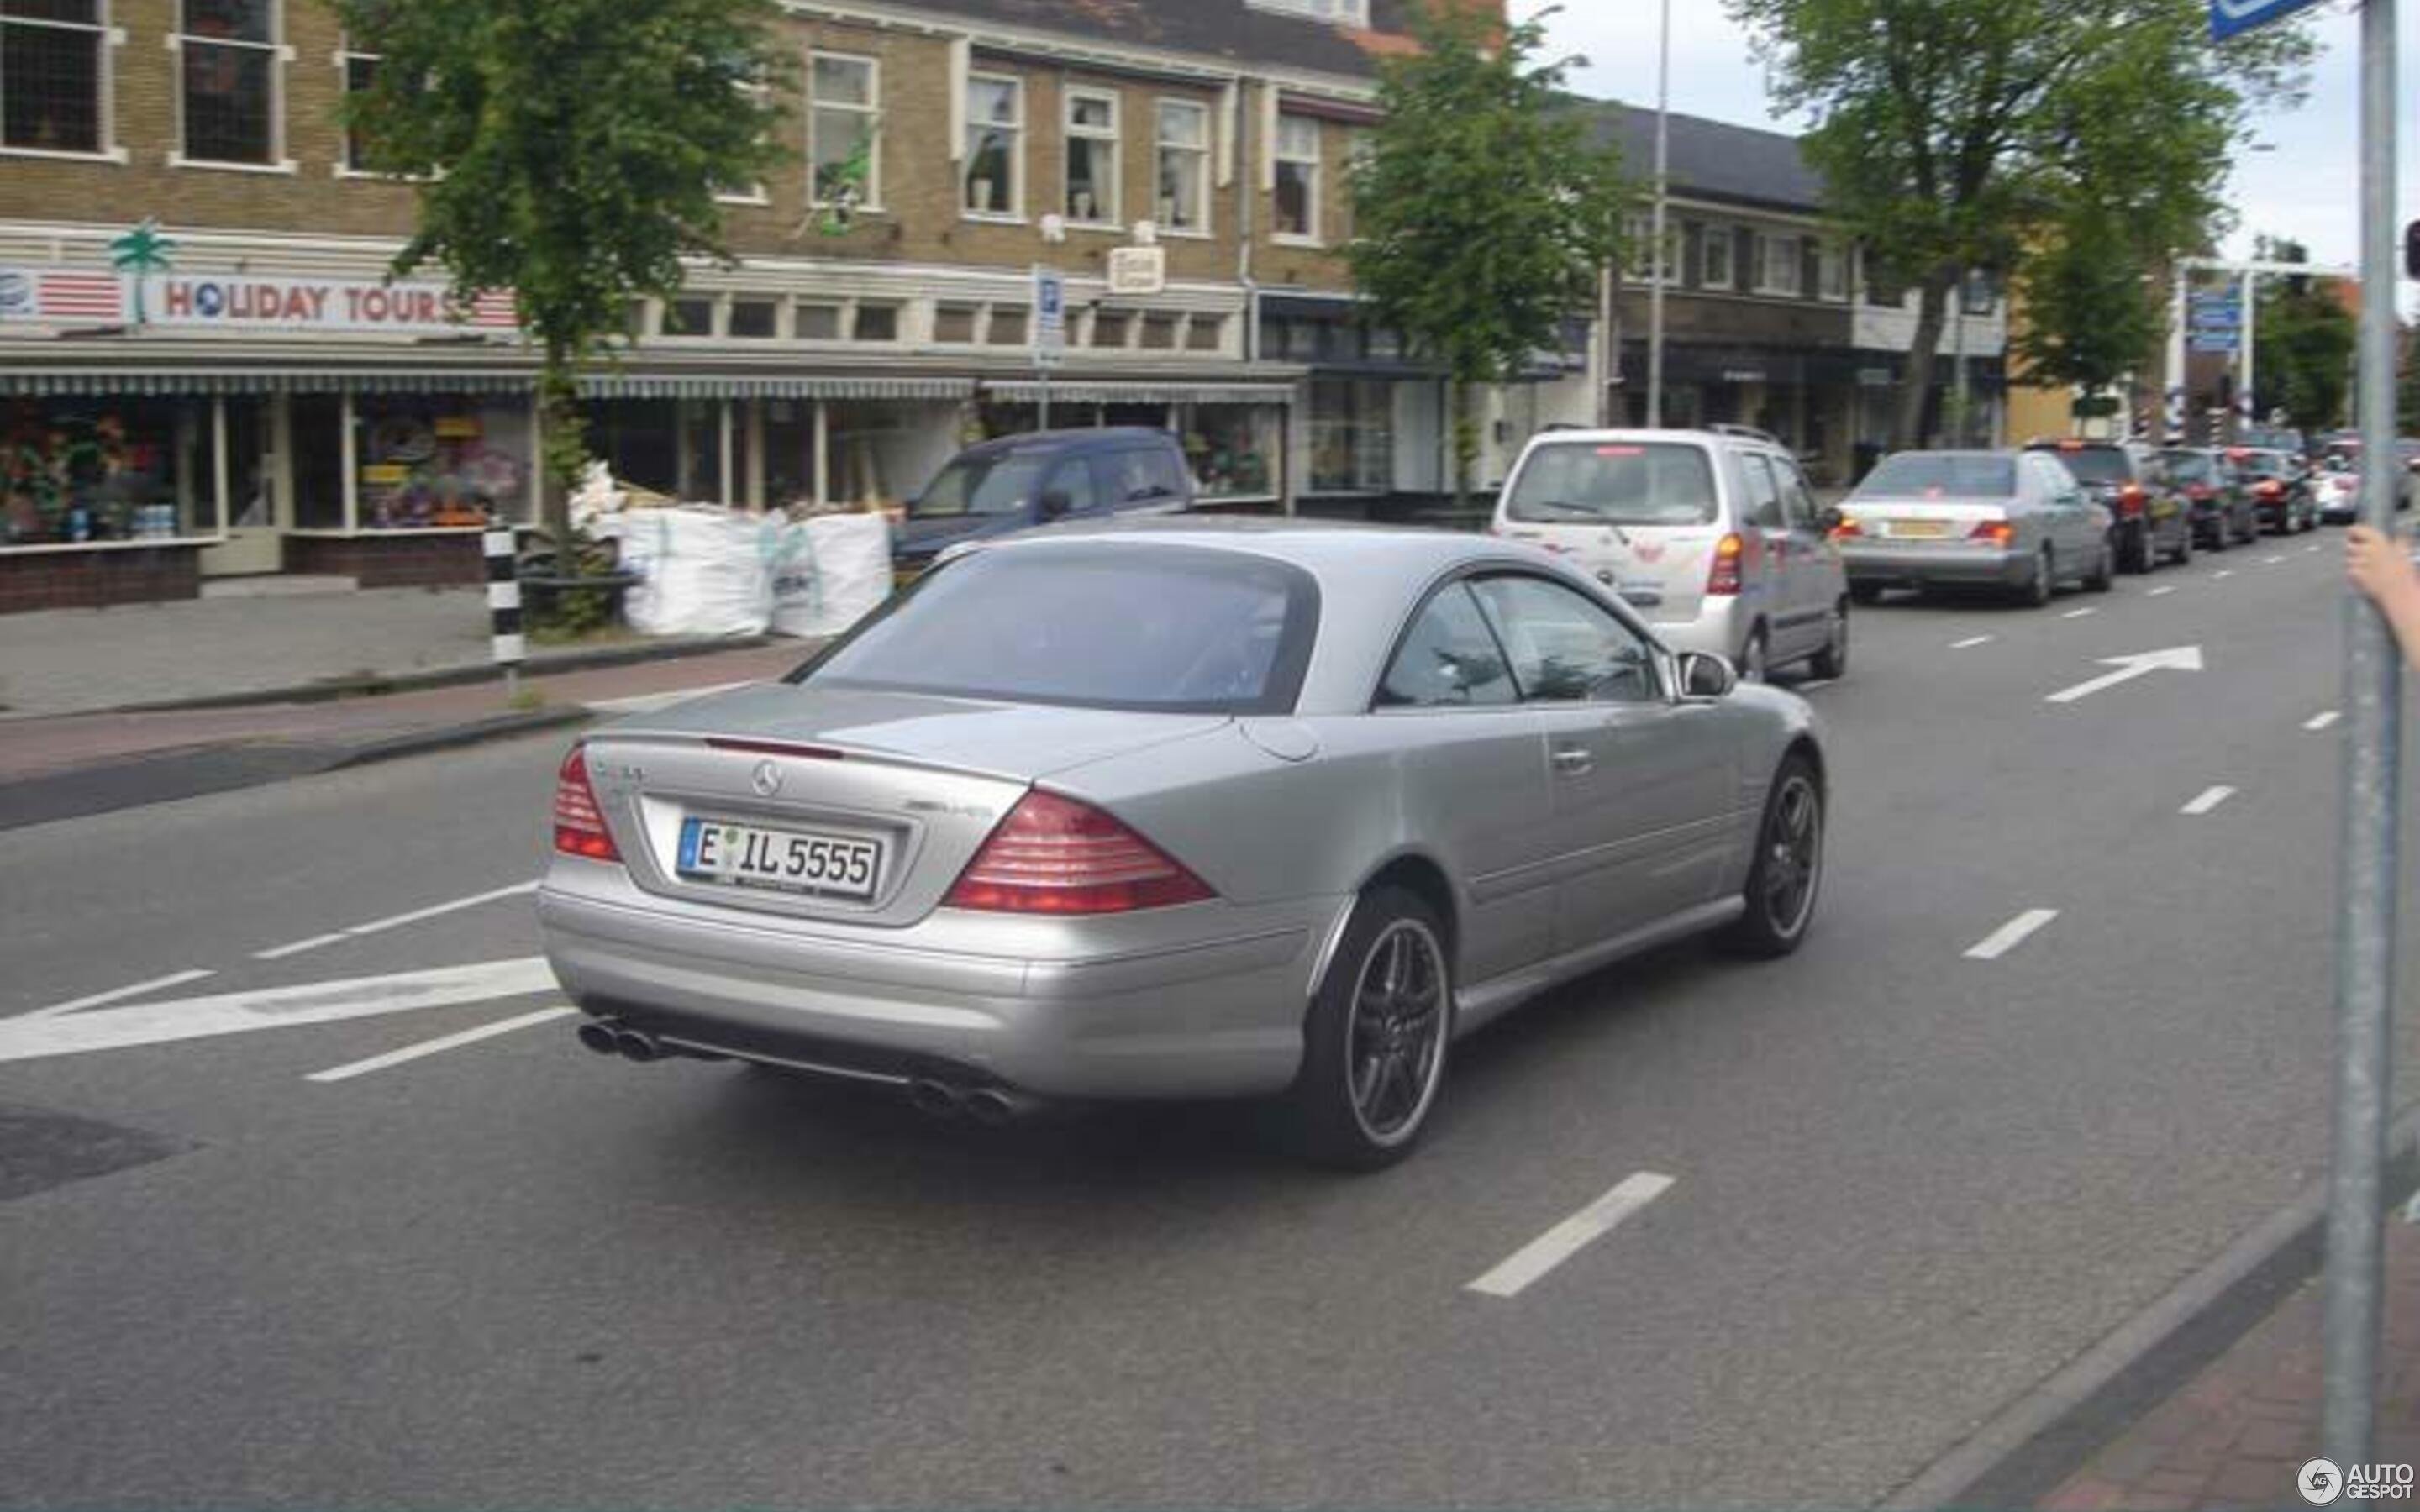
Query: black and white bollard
504	609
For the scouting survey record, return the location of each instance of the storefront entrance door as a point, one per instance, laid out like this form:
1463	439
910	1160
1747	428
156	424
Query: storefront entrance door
257	515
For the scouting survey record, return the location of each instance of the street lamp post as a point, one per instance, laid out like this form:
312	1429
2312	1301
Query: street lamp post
1657	271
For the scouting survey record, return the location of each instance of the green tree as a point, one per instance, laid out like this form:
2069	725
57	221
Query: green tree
1482	211
2304	345
570	151
1955	134
2090	309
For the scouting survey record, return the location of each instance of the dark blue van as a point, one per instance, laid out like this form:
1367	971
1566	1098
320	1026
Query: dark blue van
1017	482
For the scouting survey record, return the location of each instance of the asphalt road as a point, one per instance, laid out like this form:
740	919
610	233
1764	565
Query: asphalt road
1908	1181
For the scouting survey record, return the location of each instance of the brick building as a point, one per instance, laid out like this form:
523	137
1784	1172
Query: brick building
235	390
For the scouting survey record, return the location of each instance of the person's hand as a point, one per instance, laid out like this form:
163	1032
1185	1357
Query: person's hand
2380	569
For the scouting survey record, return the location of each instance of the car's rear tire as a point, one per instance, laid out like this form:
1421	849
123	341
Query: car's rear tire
2184	547
2146	557
1377	1038
2040	589
1832	660
2217	541
2104	576
1788	873
1755	658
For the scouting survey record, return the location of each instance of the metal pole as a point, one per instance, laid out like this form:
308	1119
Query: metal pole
2247	412
1958	373
2373	756
1659	272
2175	410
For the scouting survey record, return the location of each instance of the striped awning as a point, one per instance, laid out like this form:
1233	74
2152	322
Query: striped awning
170	383
771	386
1028	390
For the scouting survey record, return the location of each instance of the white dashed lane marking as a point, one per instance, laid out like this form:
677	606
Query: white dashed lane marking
1568	1238
117	995
2010	934
2321	721
2163	592
439	1045
2209	800
1972	641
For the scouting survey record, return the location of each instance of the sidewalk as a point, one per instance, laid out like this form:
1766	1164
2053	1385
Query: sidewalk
2234	1435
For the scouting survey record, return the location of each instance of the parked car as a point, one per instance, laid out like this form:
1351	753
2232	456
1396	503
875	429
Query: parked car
1012	482
2014	520
2337	482
2123	477
1171	810
2281	490
1714	536
2221	504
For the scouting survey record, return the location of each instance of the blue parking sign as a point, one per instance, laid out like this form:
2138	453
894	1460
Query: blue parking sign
2229	17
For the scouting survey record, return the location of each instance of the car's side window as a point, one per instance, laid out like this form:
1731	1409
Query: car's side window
1797	499
1450	660
1763	494
1075	480
1565	649
1167	473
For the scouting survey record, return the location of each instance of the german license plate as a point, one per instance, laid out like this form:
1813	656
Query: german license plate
1919	530
786	860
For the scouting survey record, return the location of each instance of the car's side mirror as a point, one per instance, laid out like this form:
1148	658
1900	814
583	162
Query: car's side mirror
1705	675
1055	502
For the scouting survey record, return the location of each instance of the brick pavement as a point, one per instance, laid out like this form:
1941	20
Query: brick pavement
2233	1436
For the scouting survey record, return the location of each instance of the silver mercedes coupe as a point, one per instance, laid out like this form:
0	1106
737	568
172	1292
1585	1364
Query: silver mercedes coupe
1179	808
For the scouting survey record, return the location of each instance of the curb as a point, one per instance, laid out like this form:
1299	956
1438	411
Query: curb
452	737
2028	1449
329	690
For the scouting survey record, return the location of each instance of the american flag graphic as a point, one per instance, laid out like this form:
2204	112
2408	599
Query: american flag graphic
80	297
495	311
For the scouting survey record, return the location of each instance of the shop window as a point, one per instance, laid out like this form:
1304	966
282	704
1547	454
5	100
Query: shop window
1297	176
818	322
953	324
1007	328
441	460
1092	158
1183	176
1233	449
995	147
689	318
1351	435
53	55
1111	327
789	452
1159	332
229	52
876	322
319	437
104	470
844	129
1205	333
756	319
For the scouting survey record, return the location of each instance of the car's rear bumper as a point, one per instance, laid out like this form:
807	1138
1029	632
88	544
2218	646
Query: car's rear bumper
1720	626
1205	1000
1910	566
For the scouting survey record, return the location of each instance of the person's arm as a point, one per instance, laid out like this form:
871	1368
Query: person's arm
2382	570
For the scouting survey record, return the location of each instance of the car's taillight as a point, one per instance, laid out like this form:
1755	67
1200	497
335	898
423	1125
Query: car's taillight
1725	579
1847	529
578	827
1056	855
1992	532
2269	490
2130	498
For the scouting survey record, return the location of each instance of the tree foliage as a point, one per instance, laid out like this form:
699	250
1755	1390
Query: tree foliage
569	151
2304	345
1482	210
1987	133
2090	309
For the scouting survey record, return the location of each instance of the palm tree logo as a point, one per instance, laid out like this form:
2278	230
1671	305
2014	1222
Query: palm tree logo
142	252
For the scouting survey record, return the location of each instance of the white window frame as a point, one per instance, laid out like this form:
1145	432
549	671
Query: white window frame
871	110
1638	230
1830	272
1770	243
755	193
1312	200
1161	148
1104	216
281	55
1334	12
1015	128
1727	238
107	39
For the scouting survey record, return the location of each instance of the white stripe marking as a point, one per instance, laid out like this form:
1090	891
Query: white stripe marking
2271	561
375	926
511	648
1568	1238
273	1007
1972	641
281	952
156	984
649	702
1813	683
2223	572
2321	721
2078	613
2162	593
2012	934
2310	550
2207	801
504	595
438	1045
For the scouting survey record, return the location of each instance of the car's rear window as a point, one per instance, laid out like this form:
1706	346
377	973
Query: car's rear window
1624	483
1941	475
2188	467
2097	464
1093	624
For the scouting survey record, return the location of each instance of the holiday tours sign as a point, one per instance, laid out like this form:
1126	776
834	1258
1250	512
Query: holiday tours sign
220	302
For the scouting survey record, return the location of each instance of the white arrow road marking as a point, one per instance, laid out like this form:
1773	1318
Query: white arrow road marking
1568	1238
271	1008
2010	934
2207	801
443	1042
281	952
137	990
1971	642
2321	721
2178	658
377	926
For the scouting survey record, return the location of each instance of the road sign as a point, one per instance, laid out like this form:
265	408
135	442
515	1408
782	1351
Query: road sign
1050	314
2226	343
1138	270
2229	17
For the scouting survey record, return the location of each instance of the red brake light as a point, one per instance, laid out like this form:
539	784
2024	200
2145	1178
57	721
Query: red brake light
1725	579
2130	498
1056	855
1995	532
1846	527
2269	489
578	827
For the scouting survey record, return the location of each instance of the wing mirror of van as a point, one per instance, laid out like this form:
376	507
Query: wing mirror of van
1705	675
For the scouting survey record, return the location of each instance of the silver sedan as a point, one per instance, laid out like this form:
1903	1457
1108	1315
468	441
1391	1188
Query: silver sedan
1179	809
2016	520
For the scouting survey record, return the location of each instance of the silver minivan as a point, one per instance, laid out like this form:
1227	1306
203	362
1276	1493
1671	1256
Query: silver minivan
1714	537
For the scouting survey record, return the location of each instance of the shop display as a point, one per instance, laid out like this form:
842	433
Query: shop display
435	463
102	474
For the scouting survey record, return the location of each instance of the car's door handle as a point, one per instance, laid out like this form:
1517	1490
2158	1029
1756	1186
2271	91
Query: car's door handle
1572	761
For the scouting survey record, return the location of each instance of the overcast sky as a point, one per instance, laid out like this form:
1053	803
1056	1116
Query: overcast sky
2308	187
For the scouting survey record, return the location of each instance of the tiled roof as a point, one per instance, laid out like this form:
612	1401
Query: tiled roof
1228	29
1713	160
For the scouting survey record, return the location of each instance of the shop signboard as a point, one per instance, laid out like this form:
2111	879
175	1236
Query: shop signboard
1049	317
61	296
204	300
1137	271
